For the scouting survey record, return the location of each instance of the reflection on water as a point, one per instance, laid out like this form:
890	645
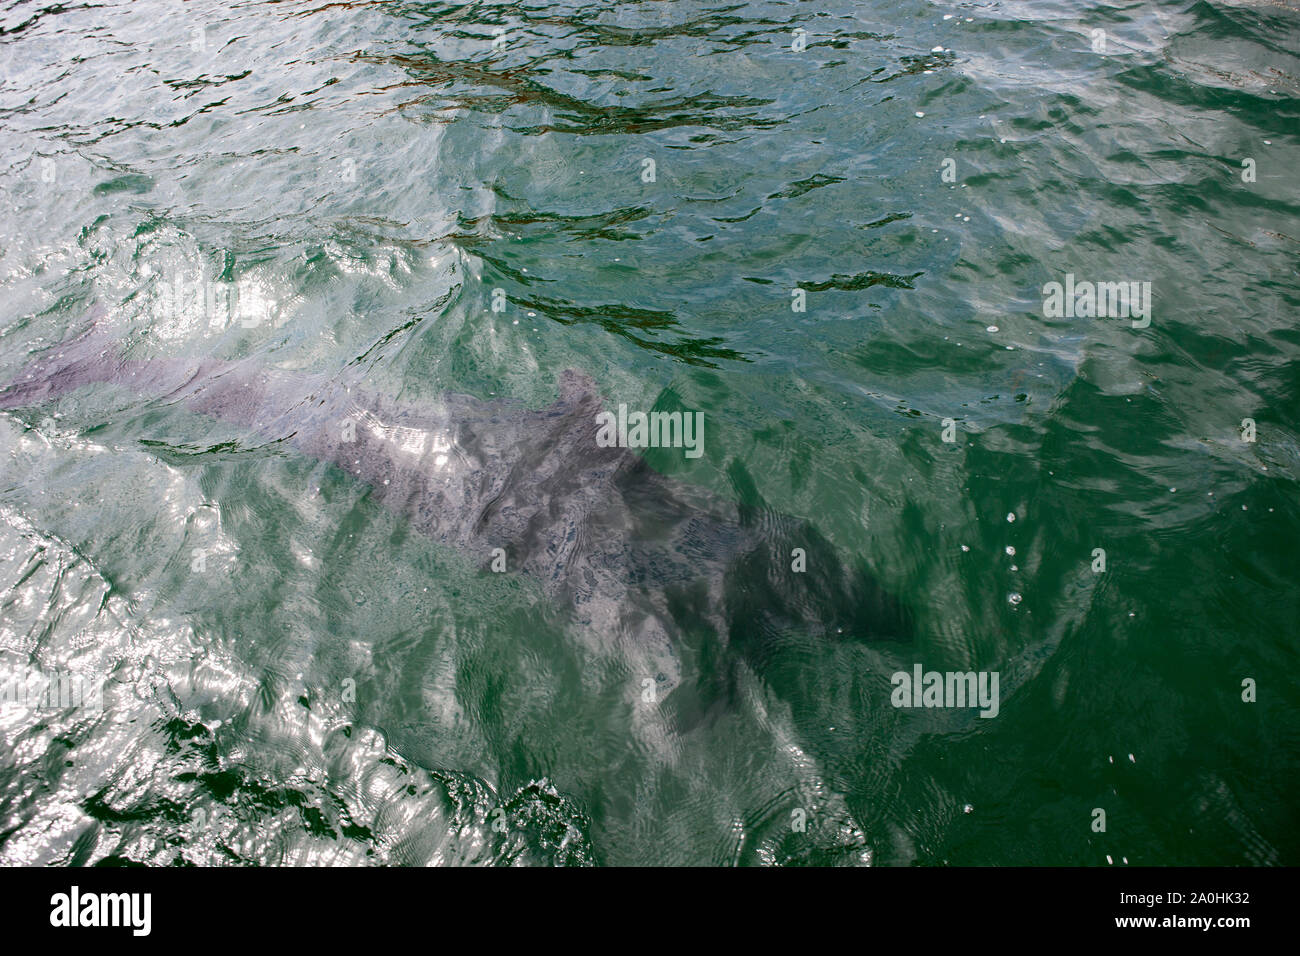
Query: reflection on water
459	230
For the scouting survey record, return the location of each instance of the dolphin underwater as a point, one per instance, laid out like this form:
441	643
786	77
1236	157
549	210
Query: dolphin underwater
629	553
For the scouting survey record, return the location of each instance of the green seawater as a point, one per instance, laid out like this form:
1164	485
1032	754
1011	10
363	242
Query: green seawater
827	226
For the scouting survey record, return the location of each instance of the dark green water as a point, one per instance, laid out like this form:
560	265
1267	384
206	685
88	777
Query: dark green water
295	674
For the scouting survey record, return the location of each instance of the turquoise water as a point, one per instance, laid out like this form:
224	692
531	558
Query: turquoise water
297	673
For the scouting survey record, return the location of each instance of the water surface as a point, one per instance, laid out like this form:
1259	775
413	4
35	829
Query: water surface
295	675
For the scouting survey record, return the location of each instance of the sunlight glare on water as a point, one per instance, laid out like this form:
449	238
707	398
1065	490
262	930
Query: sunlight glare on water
313	498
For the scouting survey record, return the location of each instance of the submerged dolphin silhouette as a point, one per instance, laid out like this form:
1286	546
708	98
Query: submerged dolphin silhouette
631	552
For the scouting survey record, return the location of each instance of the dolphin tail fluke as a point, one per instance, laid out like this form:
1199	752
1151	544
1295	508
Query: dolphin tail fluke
89	356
